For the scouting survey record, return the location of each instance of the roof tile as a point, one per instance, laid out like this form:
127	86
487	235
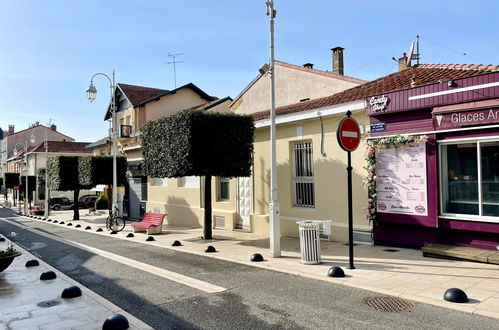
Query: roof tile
427	74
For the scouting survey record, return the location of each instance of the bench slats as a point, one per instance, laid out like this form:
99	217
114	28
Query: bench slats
150	220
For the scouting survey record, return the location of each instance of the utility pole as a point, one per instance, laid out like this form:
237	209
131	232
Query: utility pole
174	62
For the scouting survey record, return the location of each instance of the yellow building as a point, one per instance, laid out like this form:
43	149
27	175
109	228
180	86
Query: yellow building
179	198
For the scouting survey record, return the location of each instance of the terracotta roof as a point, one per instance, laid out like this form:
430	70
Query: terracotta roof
138	94
427	74
63	147
40	125
300	68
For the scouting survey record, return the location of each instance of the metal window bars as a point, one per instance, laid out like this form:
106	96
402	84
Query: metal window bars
303	180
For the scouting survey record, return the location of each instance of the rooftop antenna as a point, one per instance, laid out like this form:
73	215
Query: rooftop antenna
174	62
412	55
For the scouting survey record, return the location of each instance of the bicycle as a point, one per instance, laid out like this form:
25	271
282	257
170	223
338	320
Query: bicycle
114	222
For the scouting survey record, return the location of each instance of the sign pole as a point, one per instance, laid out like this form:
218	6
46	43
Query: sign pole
350	217
348	135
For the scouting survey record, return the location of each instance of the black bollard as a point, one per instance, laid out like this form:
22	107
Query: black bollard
71	292
32	263
210	249
176	243
48	275
335	271
257	257
115	322
455	295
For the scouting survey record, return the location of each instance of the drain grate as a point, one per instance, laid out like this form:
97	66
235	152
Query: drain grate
48	303
391	250
389	304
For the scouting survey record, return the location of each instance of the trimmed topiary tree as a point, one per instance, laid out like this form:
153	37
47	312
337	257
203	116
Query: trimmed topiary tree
41	183
95	170
11	180
63	175
198	143
31	186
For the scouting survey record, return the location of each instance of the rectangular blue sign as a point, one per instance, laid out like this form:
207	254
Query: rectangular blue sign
378	127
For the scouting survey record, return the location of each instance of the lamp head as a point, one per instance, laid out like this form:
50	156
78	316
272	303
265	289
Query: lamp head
264	68
91	92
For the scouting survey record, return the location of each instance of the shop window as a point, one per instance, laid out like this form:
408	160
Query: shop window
470	179
303	175
223	189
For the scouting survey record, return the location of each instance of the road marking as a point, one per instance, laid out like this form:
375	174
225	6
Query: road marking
349	134
172	276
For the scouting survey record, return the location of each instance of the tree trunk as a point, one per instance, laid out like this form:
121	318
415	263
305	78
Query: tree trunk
76	214
207	208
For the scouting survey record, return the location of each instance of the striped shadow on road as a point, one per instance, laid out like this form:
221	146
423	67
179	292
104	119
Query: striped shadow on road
172	276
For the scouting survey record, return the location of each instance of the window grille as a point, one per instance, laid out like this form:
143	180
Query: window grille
303	179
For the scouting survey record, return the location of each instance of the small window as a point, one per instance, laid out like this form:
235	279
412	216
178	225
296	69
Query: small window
223	189
303	175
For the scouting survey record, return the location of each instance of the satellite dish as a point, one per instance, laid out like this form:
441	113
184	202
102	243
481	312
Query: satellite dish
411	51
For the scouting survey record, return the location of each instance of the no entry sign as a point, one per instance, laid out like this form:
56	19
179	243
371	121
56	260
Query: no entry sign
348	134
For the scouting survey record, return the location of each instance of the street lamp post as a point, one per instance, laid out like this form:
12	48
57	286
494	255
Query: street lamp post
46	207
91	95
274	223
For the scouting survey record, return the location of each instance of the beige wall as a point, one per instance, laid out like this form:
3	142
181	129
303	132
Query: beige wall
167	105
291	86
185	206
330	182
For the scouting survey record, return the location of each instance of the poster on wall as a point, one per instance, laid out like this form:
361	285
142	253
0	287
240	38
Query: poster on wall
401	180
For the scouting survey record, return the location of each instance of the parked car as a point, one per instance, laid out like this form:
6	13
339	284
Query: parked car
87	201
60	203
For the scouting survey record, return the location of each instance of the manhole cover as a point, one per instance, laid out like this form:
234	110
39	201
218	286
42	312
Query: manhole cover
389	304
48	303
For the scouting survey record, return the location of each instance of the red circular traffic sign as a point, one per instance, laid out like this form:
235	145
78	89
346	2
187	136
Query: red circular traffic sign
348	134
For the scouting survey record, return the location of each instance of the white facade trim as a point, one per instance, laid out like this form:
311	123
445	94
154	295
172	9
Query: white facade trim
315	113
452	91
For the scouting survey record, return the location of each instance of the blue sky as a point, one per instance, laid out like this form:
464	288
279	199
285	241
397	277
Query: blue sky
51	48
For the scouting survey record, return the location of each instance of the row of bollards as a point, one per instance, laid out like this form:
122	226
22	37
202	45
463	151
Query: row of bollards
113	322
454	295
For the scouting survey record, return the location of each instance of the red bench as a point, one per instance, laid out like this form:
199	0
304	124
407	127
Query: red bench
151	222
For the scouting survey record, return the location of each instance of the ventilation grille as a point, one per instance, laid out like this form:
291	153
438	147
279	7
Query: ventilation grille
219	222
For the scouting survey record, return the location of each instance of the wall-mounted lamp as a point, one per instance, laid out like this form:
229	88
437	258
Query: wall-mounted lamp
264	68
451	83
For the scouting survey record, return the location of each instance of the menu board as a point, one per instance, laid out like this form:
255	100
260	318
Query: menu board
401	180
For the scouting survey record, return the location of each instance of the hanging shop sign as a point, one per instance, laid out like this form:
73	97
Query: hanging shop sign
465	118
378	103
401	180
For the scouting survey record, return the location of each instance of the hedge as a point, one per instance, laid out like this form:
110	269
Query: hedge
11	180
198	143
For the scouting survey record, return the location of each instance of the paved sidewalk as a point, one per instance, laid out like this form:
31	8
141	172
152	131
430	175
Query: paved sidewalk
393	271
21	290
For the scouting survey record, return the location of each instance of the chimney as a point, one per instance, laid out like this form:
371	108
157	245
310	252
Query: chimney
53	127
403	63
308	65
415	81
338	60
11	129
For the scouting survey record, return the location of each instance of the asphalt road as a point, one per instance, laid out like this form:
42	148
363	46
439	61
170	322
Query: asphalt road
254	299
